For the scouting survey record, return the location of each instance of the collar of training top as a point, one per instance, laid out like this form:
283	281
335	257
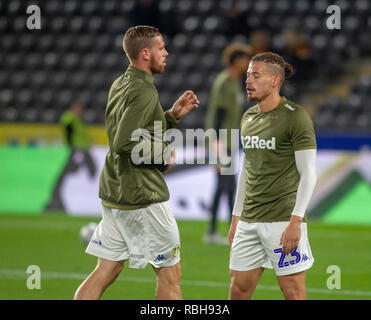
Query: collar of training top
141	74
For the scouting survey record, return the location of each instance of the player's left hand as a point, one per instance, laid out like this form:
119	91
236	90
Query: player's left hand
170	162
291	236
185	103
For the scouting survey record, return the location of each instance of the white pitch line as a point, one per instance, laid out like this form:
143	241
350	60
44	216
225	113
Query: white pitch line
329	234
21	274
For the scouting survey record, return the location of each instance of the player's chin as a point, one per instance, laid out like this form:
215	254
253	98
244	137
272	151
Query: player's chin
251	97
160	70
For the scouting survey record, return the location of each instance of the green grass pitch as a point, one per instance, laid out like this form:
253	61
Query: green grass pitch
52	243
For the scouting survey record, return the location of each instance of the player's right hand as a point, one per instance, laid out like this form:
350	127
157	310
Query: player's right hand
185	103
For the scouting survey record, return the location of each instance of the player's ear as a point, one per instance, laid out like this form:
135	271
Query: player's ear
276	81
146	54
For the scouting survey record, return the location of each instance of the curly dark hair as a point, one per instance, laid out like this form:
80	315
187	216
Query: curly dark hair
235	51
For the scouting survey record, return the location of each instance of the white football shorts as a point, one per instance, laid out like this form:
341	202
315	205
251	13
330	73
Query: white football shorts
257	245
142	236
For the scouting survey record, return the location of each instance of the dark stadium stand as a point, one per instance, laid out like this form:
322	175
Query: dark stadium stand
78	53
350	113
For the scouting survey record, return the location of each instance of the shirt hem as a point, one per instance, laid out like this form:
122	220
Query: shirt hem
121	206
249	220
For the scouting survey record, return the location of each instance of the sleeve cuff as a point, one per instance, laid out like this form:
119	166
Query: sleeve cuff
237	214
171	122
299	214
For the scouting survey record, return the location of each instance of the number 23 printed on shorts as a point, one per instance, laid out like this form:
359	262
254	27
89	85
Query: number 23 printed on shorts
295	254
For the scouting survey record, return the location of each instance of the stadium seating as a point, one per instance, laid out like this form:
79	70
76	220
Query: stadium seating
78	53
351	113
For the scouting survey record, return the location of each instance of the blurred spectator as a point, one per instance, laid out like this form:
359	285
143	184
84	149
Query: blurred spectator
260	41
224	112
76	137
73	128
235	21
299	54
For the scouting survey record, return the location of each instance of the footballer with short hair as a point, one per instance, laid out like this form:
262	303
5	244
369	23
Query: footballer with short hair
137	227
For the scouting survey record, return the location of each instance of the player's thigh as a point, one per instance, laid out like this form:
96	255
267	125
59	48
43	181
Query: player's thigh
293	285
168	274
109	267
245	280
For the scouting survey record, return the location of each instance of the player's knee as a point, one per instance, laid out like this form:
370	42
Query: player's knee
110	274
238	290
293	293
234	292
169	276
117	270
169	284
174	279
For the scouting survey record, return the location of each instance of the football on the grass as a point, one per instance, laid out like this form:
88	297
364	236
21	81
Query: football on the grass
86	232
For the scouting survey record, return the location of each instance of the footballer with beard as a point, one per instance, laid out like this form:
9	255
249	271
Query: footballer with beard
137	226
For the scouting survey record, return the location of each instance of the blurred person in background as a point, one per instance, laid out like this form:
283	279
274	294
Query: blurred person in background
76	137
260	41
299	54
224	112
73	128
235	20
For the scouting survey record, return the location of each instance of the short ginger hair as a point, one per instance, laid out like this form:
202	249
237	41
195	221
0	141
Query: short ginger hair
137	38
